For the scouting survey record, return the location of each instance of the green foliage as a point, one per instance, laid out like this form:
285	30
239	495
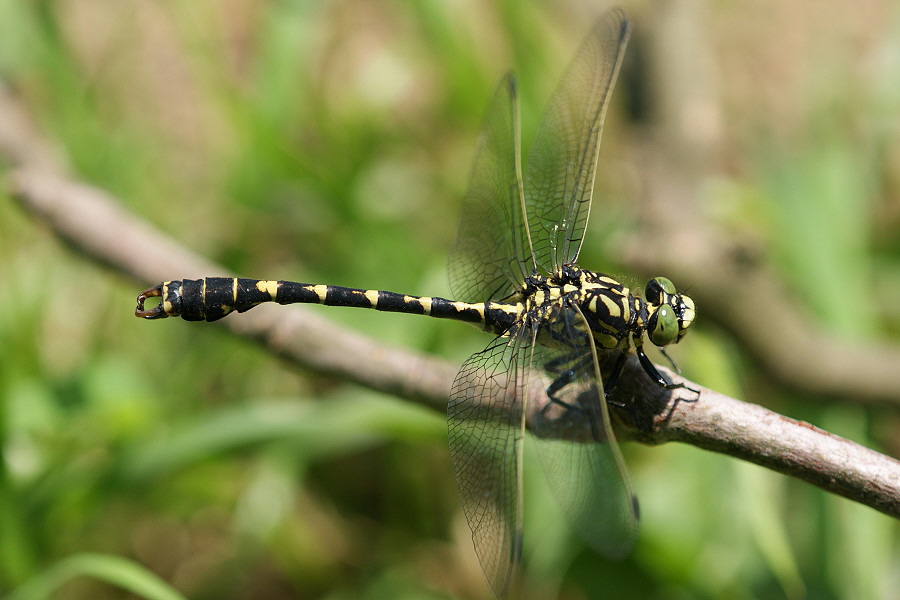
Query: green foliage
111	569
330	142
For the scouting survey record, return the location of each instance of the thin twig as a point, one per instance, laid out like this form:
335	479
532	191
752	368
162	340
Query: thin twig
95	224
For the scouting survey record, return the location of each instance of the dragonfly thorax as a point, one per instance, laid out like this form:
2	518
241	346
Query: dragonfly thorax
613	313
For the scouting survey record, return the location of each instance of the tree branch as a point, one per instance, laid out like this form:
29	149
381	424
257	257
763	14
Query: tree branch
95	224
750	432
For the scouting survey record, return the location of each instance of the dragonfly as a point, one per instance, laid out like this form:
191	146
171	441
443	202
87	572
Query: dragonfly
513	271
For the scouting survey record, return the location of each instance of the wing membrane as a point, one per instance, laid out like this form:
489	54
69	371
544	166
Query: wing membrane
509	232
559	175
492	253
576	444
486	426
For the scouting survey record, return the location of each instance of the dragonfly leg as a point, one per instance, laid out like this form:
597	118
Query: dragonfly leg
567	367
613	378
656	376
556	386
629	407
577	415
569	375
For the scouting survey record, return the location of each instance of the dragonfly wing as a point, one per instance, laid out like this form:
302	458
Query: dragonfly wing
575	442
559	175
486	426
492	253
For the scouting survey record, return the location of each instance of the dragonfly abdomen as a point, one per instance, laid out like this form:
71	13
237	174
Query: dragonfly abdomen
212	298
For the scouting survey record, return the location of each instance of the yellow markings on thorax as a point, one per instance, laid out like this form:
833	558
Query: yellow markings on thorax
612	307
541	297
608	281
626	311
268	287
605	341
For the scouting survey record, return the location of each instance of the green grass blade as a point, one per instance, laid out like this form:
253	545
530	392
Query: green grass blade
111	569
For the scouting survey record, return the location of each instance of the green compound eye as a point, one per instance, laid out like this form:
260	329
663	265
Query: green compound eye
657	288
664	326
666	284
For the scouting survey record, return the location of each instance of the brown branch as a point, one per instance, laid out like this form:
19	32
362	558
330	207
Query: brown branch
21	144
719	423
92	222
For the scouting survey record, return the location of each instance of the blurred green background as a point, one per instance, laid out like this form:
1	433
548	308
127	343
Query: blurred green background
330	142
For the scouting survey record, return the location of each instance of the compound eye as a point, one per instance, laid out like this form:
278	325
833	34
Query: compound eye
657	288
663	327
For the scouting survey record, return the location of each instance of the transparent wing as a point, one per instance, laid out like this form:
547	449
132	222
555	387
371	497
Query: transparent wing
559	175
575	442
492	252
486	426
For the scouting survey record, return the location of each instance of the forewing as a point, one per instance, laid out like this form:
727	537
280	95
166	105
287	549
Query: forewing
559	175
486	426
575	442
492	252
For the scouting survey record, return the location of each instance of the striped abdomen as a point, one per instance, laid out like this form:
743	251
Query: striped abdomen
212	298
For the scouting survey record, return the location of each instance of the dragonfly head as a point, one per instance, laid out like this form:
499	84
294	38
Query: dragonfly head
671	313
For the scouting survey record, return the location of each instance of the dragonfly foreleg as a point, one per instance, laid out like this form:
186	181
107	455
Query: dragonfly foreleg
655	375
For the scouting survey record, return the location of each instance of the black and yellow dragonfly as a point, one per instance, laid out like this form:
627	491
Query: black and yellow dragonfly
513	272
